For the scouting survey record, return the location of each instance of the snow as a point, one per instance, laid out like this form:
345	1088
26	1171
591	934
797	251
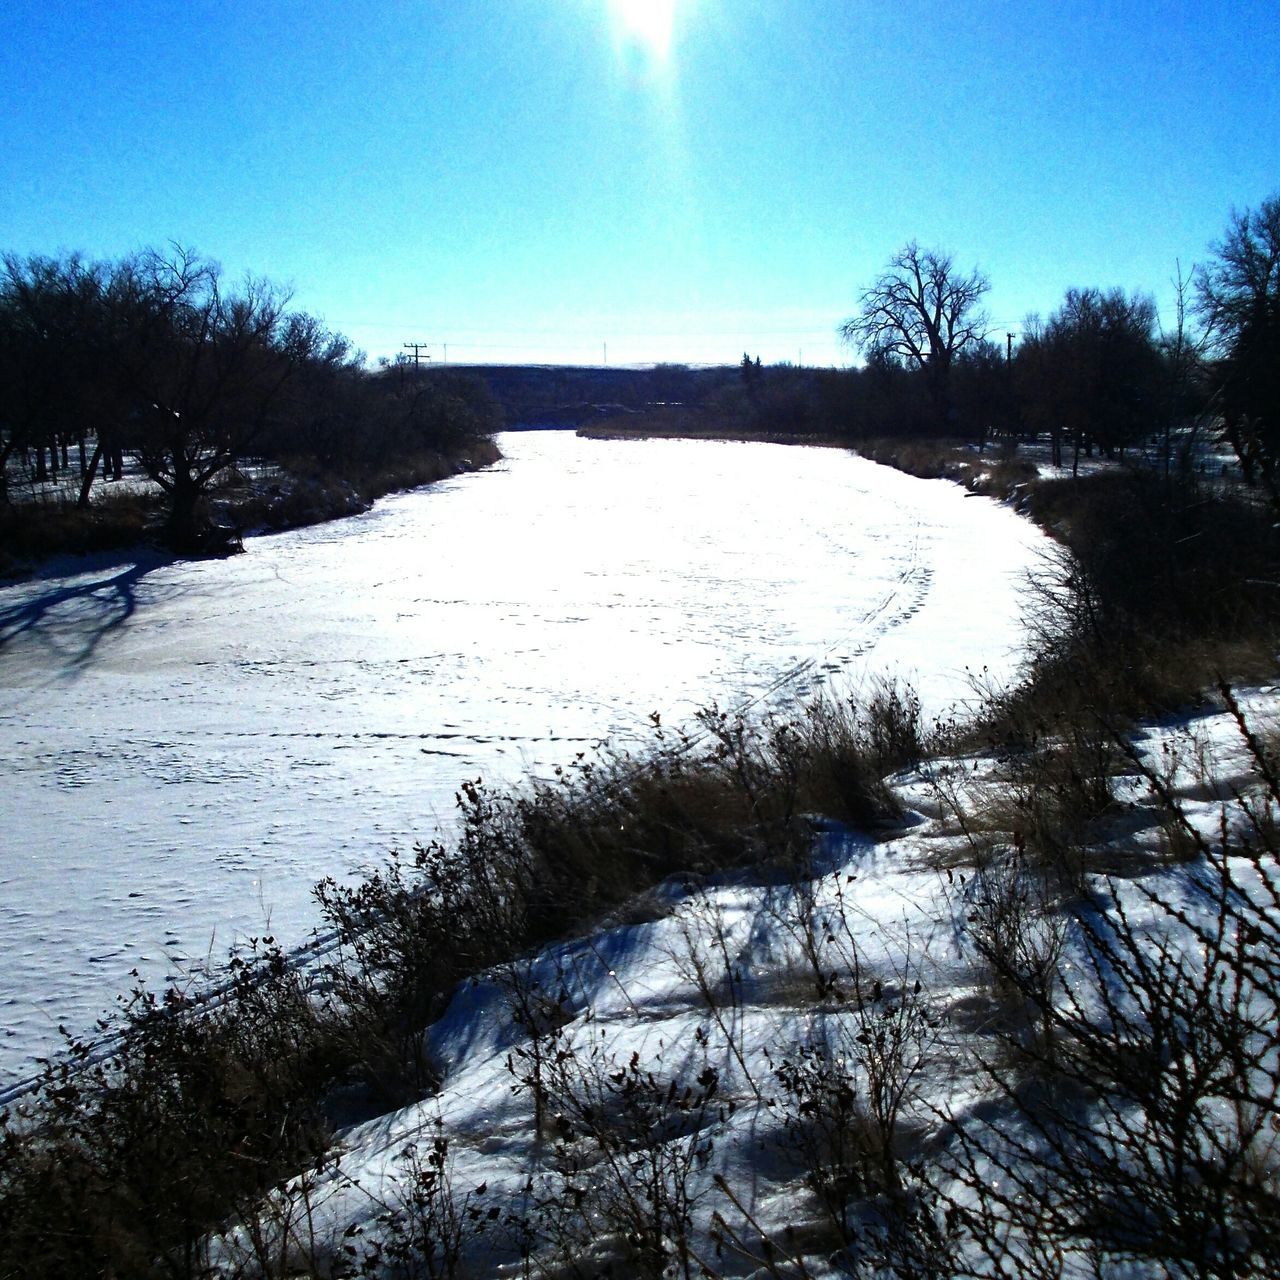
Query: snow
186	737
721	980
189	746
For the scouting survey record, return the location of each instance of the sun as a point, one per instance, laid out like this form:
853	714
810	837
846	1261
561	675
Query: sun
646	23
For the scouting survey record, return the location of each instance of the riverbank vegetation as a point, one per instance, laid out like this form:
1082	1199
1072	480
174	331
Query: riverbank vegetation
149	397
1099	379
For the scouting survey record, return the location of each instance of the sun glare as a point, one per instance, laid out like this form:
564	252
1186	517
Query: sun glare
646	23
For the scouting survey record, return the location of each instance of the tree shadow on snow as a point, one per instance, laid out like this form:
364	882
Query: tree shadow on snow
73	607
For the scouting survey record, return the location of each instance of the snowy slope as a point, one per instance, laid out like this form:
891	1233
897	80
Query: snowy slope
745	993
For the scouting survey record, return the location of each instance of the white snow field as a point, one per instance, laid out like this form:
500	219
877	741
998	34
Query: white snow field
188	746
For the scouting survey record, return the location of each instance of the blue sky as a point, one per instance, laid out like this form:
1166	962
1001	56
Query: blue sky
682	179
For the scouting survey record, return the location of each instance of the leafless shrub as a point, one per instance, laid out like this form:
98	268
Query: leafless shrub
894	726
848	1087
842	1098
542	1017
845	748
850	1084
1016	928
762	764
750	1242
708	962
120	1163
630	1145
276	1236
1148	1133
392	963
428	1229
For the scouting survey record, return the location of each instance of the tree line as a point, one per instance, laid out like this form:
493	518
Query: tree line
156	358
1099	373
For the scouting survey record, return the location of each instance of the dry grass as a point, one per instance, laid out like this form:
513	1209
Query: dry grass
32	530
927	459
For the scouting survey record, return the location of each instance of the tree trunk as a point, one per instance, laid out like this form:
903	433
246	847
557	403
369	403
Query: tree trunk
1244	455
88	472
185	525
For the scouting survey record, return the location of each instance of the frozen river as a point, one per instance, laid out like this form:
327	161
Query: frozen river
187	747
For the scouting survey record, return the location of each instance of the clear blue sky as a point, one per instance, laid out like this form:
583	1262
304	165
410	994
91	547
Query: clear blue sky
677	179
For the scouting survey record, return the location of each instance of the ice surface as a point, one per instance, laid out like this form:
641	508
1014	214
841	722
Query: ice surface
187	747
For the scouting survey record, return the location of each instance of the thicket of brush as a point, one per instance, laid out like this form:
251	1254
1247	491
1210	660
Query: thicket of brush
299	492
1133	1056
1135	1062
60	528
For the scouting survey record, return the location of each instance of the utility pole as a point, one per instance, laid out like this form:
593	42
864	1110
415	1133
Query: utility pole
1011	406
417	348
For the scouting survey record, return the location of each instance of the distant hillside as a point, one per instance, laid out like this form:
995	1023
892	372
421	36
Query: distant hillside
570	395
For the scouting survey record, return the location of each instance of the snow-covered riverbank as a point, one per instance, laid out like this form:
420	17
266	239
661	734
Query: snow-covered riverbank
687	1086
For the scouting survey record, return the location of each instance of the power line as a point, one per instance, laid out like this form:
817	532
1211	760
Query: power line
592	335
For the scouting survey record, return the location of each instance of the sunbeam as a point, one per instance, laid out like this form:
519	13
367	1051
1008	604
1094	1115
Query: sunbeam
644	23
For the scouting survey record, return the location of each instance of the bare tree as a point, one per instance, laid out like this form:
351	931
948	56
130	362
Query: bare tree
1238	300
1186	402
54	362
1242	282
1094	371
922	312
206	370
